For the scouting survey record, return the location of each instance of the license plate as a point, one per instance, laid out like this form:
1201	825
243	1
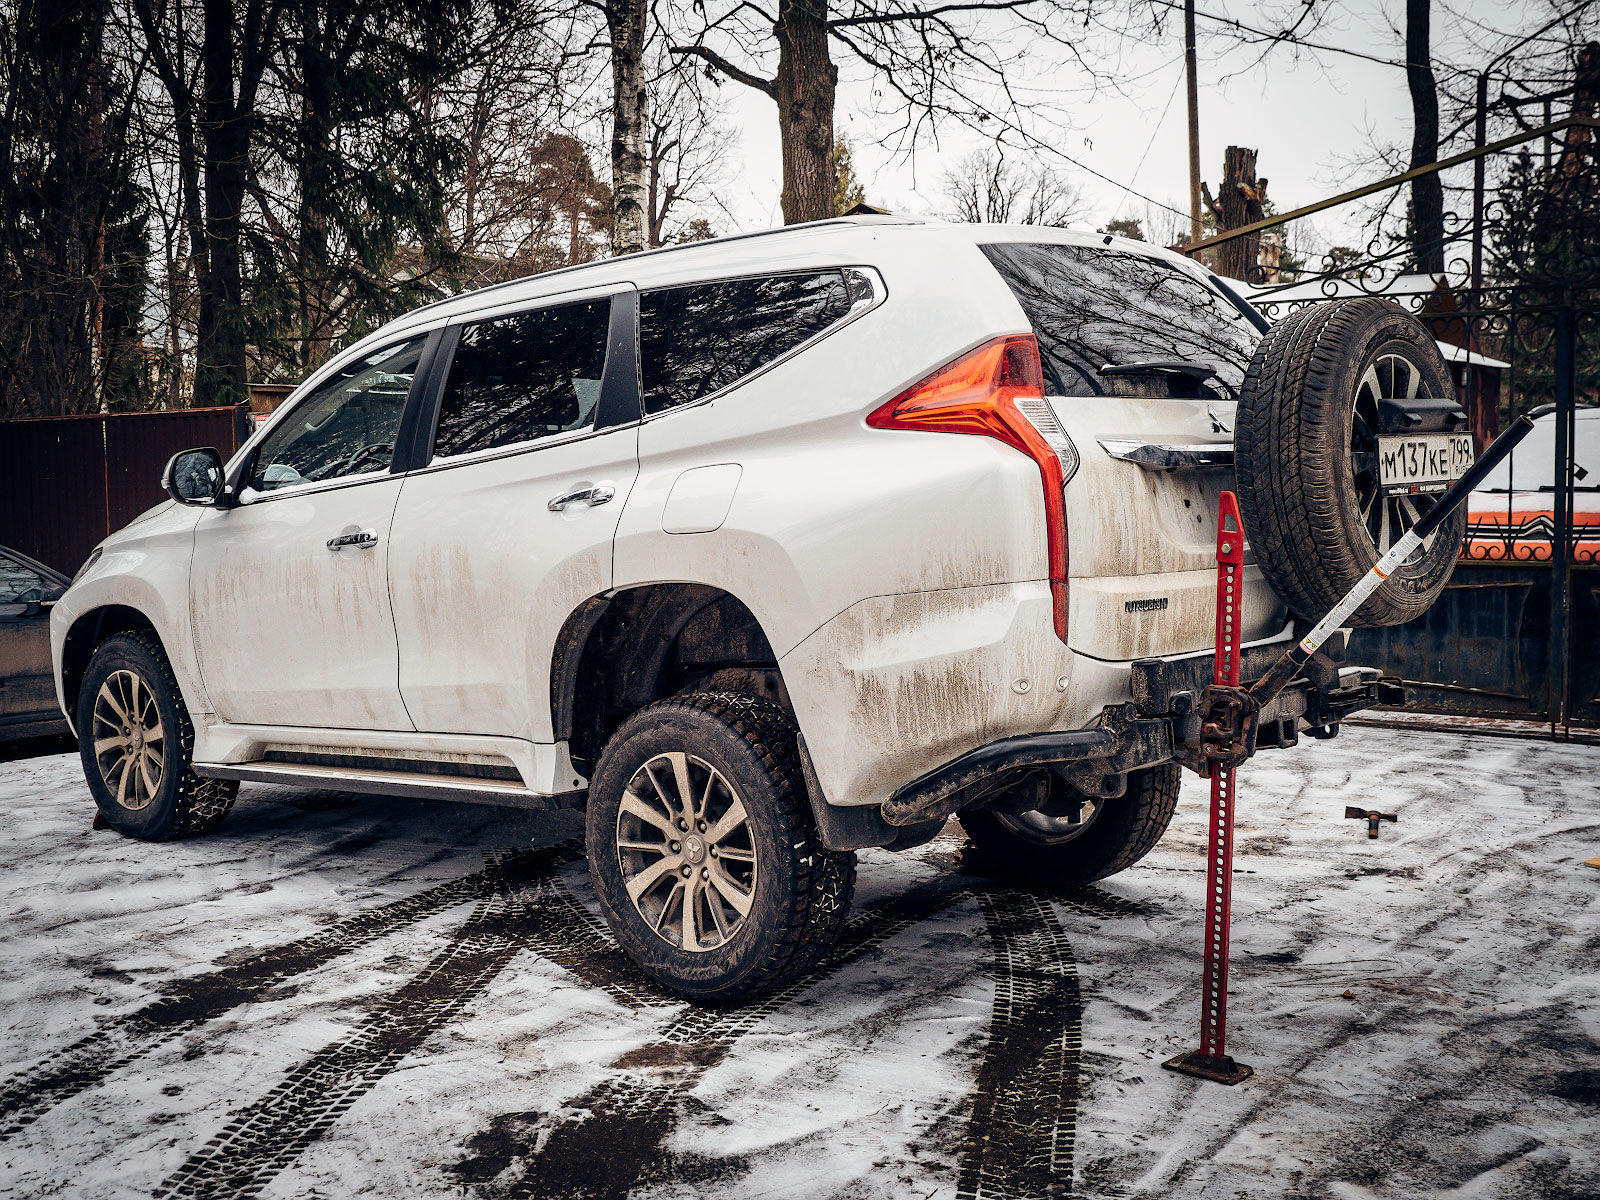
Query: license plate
1424	462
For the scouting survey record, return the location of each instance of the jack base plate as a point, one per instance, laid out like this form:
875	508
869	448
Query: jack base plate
1220	1069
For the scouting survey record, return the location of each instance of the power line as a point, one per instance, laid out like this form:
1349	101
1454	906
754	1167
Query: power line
1282	36
1154	133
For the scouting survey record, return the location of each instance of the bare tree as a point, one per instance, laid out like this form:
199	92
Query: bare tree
1241	200
213	78
526	198
1427	191
686	150
629	117
966	62
987	186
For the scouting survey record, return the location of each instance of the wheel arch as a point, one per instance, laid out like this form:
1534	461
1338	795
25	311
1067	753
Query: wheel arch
87	631
617	653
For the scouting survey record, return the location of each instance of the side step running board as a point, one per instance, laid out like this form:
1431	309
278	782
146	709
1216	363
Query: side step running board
463	789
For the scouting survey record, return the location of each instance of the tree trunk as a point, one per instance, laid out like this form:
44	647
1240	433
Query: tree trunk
804	92
1427	191
313	269
626	19
220	349
1240	201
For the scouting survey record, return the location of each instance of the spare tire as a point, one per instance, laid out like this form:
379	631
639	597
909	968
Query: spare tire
1306	455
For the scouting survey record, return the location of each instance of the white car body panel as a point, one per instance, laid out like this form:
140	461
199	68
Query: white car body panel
483	575
287	631
143	566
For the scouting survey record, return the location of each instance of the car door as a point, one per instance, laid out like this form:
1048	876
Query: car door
289	589
507	518
27	688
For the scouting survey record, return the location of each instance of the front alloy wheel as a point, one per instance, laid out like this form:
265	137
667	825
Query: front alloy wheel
684	847
130	741
137	744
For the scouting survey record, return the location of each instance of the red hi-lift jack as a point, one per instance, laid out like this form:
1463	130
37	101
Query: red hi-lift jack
1211	1060
1231	715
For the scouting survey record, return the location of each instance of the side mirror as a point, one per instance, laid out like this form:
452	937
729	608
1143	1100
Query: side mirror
194	476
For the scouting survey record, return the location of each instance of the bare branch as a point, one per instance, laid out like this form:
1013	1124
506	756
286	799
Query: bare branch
735	73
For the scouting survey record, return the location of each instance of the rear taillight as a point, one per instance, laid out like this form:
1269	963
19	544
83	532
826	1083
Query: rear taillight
998	391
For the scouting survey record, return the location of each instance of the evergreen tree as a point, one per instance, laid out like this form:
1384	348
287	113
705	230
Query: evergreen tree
847	189
73	226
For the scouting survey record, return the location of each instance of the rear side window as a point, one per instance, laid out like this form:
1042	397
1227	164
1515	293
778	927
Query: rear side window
523	377
1092	307
697	340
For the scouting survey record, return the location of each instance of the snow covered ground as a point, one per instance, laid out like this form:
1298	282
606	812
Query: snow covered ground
340	996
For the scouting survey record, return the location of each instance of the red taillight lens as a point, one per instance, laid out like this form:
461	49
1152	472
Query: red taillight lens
978	393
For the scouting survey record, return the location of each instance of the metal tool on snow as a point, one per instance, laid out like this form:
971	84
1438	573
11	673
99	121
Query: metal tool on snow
1230	716
1371	816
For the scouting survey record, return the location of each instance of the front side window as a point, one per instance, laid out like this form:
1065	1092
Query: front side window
346	427
523	377
1092	307
700	339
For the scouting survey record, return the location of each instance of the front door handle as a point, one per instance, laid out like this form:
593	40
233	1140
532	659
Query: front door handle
591	494
351	538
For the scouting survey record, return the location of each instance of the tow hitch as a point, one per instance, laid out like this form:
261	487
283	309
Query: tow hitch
1229	726
1230	720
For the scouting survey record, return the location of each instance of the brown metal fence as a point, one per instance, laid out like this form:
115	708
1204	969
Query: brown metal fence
66	482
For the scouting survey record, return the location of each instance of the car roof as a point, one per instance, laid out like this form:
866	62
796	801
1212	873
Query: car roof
840	241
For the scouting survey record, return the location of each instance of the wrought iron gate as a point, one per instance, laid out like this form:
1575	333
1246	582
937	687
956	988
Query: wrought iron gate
1516	633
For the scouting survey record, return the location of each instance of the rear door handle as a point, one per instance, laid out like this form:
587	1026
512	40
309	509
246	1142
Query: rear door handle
591	494
351	538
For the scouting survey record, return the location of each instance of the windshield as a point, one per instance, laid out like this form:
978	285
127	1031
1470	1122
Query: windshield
1092	307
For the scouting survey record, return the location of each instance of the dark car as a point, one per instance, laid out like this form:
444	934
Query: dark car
27	688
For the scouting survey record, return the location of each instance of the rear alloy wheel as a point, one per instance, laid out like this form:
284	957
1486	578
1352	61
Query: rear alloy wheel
703	852
1074	838
687	858
1057	823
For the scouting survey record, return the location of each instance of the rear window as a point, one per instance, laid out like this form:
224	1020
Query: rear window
697	340
1092	307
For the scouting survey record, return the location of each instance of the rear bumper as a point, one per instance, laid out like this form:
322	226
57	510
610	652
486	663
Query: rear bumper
1160	724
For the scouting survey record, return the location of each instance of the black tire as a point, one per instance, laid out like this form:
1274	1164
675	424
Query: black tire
1303	464
1122	831
181	804
801	892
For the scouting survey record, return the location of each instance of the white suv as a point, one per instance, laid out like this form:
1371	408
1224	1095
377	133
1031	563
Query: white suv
766	549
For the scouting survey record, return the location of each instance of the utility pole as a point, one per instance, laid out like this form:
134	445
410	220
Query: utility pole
1194	120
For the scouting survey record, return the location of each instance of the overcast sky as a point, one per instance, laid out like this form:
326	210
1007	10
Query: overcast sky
1309	116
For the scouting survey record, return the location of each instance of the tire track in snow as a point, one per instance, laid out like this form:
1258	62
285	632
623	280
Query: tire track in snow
1021	1132
268	1135
193	1001
620	1137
